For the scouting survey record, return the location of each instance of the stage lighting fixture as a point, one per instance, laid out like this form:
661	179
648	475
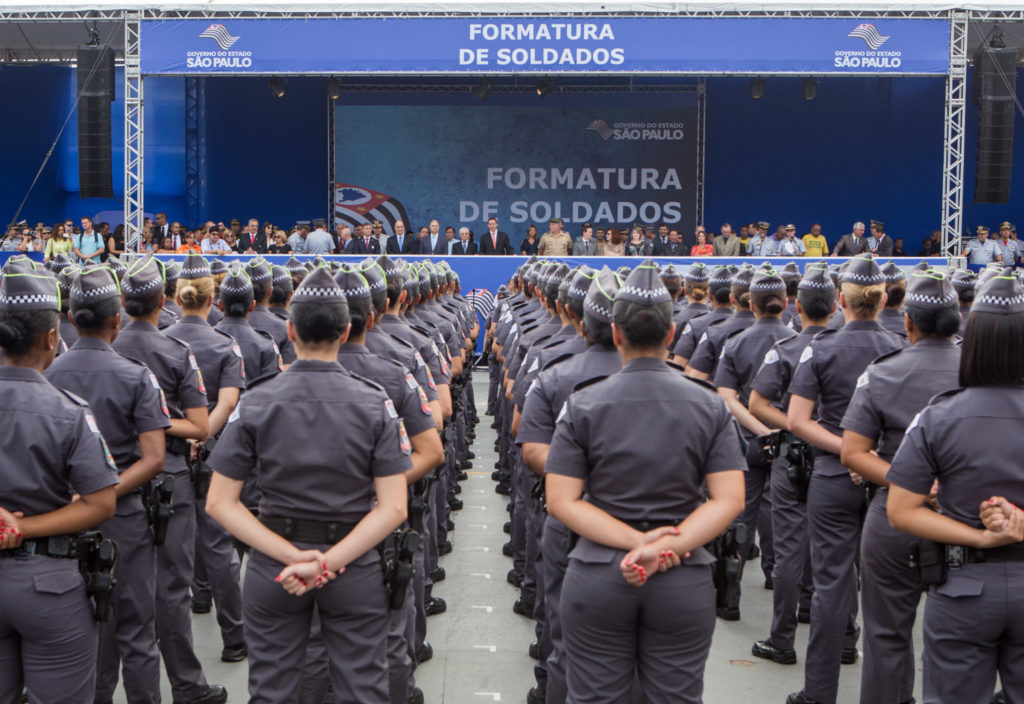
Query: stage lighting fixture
333	88
810	88
484	89
276	87
546	86
757	88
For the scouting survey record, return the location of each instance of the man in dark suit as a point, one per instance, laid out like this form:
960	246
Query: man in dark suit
348	244
852	244
401	242
252	238
494	241
674	248
434	242
464	245
660	243
880	244
371	245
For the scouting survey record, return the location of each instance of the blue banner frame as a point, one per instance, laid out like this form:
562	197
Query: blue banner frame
548	45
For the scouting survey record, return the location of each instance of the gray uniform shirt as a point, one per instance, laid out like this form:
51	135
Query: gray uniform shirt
263	320
398	382
219	356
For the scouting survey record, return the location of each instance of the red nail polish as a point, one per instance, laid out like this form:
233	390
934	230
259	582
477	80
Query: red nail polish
277	578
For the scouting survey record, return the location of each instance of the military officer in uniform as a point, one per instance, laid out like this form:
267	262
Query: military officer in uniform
217	566
47	630
719	285
825	379
968	440
890	392
544	401
982	251
739	361
180	379
260	353
261	318
314	546
622	617
126	400
769	401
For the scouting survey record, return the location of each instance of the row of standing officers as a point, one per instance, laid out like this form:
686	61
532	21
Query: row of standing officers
622	469
185	444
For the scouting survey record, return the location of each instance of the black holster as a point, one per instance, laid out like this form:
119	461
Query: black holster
158	500
398	572
97	561
728	567
930	560
799	457
201	472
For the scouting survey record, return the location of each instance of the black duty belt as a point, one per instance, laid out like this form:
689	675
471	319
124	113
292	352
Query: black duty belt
179	446
649	525
305	530
1007	553
62	546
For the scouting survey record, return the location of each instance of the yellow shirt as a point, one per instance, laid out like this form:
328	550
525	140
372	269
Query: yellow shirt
552	245
816	246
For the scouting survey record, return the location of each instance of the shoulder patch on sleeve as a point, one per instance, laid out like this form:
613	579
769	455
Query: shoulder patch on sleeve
863	379
410	381
403	438
702	338
913	423
687	329
535	366
419	360
806	354
390	406
771	356
91	422
236	413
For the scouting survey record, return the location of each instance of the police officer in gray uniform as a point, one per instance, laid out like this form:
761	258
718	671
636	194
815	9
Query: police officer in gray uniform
65	274
125	398
695	288
281	292
47	630
632	524
890	392
259	351
739	361
261	318
217	566
411	403
704	360
826	377
170	311
891	317
964	282
181	381
314	544
219	270
590	300
791	275
719	286
968	440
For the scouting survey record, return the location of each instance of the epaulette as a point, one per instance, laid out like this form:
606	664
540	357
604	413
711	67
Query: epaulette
74	398
264	333
183	343
369	382
250	385
221	332
701	382
825	333
588	382
556	360
886	355
943	394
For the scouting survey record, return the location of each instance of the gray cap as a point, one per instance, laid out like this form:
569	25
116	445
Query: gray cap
353	284
930	289
1001	294
24	290
697	273
143	277
92	286
816	278
644	286
601	294
195	267
862	270
893	274
319	287
580	283
768	281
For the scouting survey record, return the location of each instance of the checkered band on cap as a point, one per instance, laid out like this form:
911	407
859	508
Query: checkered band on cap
388	266
601	294
237	282
741	281
816	279
172	270
352	283
720	277
1001	294
318	287
768	282
893	274
218	267
670	272
65	275
697	273
117	266
930	289
29	291
294	266
790	271
374	275
195	266
94	285
644	286
964	280
281	276
258	270
931	301
143	277
579	285
862	270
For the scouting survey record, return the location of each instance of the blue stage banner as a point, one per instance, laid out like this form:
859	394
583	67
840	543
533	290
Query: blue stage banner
550	45
600	164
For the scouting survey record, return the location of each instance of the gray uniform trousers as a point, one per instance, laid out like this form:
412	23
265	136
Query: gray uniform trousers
973	629
504	446
353	623
424	561
531	518
47	632
173	581
890	593
792	570
616	633
552	647
518	497
835	510
129	634
758	491
217	569
494	377
534	529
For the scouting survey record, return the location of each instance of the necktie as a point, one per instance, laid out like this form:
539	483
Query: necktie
494	239
366	241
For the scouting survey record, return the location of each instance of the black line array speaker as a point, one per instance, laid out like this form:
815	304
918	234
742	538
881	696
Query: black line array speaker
96	92
995	75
